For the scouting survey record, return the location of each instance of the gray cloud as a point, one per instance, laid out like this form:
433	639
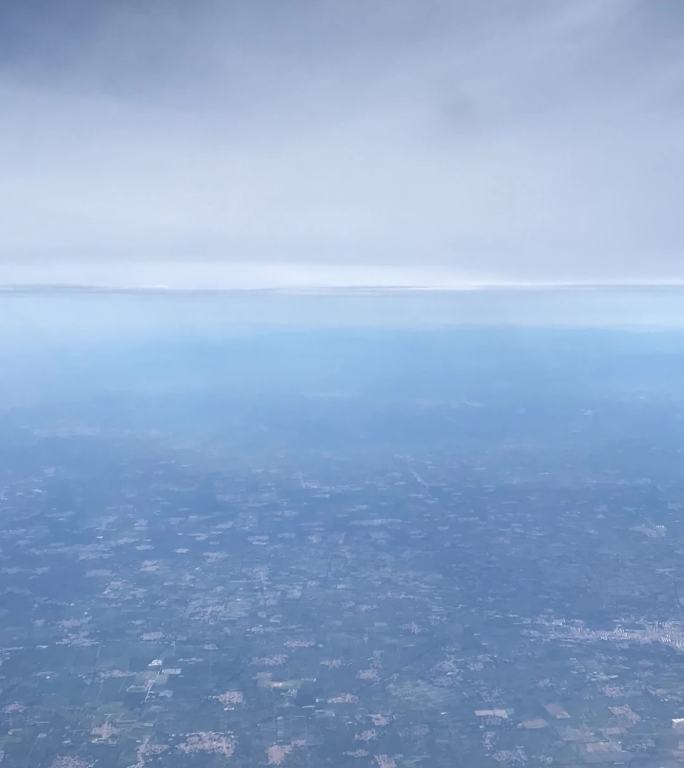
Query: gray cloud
345	142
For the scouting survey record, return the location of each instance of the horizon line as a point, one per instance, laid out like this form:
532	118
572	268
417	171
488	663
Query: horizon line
26	288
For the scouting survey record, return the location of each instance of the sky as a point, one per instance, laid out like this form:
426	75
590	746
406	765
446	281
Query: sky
272	143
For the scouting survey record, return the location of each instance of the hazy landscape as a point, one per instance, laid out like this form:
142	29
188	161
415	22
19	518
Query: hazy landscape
365	543
341	384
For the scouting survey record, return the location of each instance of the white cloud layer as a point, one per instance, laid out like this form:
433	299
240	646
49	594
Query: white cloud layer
403	142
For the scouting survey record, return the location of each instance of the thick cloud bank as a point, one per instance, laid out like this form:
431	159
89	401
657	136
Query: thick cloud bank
284	142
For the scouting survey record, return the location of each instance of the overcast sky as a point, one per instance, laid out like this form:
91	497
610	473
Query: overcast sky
313	142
